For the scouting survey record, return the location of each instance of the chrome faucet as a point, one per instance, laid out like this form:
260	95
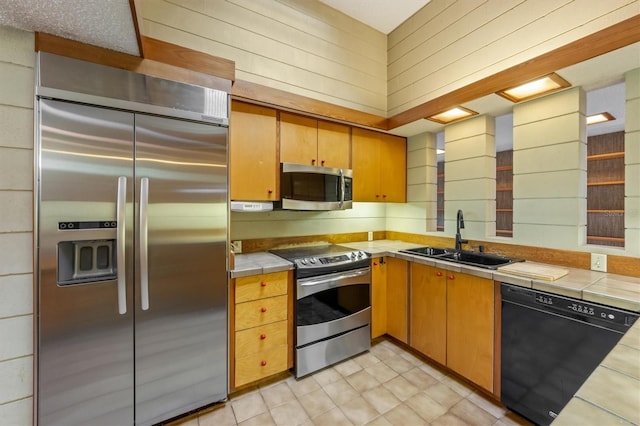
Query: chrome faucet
459	226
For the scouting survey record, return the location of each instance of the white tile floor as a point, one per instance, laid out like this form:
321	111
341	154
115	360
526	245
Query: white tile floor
386	386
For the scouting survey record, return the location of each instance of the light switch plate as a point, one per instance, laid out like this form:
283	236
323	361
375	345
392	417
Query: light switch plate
236	246
599	262
370	236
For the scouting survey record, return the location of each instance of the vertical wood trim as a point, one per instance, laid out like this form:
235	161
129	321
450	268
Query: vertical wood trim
291	320
232	334
497	339
136	26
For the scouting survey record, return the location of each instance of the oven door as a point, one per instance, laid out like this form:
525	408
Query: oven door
332	304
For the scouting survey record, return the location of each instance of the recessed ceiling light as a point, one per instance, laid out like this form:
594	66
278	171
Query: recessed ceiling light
599	118
454	114
542	86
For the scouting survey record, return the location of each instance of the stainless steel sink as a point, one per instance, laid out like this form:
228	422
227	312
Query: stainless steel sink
472	258
429	251
482	260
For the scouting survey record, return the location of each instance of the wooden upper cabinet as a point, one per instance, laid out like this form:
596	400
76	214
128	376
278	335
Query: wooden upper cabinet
364	152
334	147
298	139
379	163
393	168
305	140
253	156
429	311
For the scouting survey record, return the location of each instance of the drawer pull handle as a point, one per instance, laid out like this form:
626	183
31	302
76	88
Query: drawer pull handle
375	263
452	277
270	191
263	363
438	274
263	283
263	309
263	336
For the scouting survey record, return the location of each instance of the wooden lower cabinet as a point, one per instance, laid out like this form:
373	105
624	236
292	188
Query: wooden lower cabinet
397	298
378	297
429	311
470	328
261	337
453	321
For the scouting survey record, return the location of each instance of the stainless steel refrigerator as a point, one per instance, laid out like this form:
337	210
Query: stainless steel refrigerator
131	252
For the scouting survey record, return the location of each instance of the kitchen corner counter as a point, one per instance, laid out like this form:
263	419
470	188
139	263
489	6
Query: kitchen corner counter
258	263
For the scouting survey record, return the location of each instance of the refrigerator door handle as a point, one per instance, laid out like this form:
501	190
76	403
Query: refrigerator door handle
121	212
144	244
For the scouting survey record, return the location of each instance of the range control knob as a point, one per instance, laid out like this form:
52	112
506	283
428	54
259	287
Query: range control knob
312	260
303	261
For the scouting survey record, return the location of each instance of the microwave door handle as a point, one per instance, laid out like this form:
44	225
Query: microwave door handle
342	188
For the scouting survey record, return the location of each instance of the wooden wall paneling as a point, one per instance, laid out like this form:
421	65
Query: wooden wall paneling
253	92
611	38
271	45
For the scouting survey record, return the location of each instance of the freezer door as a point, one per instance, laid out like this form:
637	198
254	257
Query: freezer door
181	279
85	324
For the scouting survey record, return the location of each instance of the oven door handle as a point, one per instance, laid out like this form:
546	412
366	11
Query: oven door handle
309	286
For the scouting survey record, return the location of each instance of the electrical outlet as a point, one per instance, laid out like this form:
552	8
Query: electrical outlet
599	262
370	236
236	246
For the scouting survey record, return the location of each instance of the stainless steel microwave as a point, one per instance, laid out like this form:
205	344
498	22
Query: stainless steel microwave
304	187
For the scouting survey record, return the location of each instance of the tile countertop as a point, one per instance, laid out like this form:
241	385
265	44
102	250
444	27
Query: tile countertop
611	395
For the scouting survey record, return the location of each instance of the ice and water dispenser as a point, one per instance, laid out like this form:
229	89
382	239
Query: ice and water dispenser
85	261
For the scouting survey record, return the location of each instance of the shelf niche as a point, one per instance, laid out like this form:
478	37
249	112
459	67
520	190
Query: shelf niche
605	189
504	193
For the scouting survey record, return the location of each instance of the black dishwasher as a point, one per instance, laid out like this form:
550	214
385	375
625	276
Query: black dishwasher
550	345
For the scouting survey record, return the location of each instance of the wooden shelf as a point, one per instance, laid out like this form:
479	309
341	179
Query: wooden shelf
613	182
504	189
504	210
504	168
607	156
612	239
605	211
440	192
440	175
504	231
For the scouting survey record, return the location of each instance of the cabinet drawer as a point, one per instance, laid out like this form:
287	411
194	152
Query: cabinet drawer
260	312
261	338
260	286
263	364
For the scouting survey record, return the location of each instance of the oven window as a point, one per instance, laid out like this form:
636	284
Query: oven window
332	304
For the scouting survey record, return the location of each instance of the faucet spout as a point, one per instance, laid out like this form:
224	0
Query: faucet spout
459	225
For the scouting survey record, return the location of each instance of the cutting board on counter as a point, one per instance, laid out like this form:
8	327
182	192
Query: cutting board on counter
534	270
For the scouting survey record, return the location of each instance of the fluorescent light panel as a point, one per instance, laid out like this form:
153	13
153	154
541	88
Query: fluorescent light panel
454	114
601	117
542	86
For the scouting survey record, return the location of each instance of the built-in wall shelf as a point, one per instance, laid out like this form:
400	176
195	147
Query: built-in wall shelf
504	193
440	197
605	189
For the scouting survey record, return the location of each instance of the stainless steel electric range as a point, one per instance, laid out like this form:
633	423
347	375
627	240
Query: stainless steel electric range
333	304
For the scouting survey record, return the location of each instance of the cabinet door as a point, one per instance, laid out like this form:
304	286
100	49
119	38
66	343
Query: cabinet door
470	327
365	163
429	311
298	139
253	160
393	168
334	145
397	317
378	297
